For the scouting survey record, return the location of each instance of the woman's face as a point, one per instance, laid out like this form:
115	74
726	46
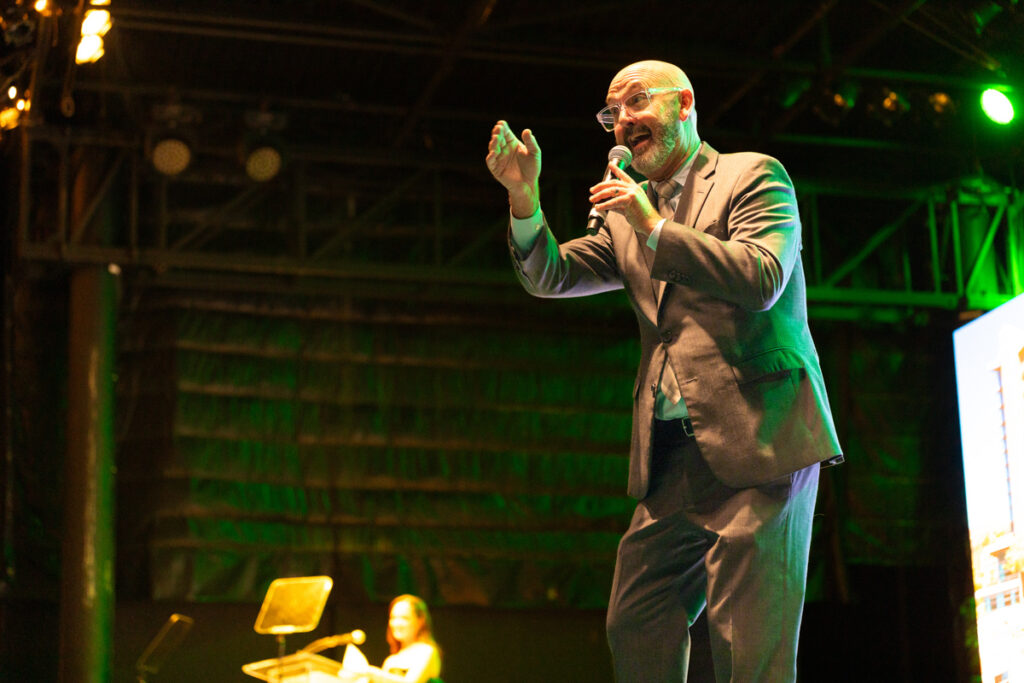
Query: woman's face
404	623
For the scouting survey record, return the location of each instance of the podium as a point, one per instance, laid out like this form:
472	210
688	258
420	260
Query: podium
293	605
301	667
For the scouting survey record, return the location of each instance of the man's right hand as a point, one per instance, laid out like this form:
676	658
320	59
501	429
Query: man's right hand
516	165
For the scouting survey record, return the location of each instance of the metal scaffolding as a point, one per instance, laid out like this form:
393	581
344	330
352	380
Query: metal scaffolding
426	224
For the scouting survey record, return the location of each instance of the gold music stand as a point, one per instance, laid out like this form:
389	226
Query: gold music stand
293	605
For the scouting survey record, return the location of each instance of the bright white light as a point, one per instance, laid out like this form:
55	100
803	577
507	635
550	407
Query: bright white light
12	92
96	22
997	106
90	48
9	118
40	6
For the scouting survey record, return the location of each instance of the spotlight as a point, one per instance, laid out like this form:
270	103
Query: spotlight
170	140
90	49
887	106
997	106
941	103
263	162
171	155
834	103
9	118
261	152
95	24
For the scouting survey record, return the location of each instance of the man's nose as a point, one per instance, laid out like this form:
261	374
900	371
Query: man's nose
623	127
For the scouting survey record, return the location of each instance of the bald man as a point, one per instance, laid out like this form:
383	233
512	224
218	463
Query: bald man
731	421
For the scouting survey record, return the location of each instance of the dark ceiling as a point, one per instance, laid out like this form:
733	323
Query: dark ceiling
406	78
401	77
374	94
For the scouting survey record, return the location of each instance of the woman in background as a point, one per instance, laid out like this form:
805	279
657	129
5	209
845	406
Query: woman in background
415	656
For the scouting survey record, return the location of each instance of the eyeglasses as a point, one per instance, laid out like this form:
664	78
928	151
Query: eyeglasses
636	102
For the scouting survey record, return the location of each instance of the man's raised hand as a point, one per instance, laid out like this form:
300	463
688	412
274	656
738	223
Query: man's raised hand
516	165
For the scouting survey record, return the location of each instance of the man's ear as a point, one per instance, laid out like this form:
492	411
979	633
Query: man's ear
685	104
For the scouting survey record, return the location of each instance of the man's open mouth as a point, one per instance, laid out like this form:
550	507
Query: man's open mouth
638	140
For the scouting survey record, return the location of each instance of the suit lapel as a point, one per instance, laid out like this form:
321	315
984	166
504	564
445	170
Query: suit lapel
692	197
697	187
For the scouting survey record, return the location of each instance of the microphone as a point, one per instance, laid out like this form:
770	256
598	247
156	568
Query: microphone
622	157
356	637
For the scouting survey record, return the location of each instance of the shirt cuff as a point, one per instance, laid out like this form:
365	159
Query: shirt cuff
526	230
652	239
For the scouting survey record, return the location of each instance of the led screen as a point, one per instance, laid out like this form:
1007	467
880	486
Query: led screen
989	358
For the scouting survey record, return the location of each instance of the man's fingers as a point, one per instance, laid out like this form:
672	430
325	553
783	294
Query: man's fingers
531	142
619	173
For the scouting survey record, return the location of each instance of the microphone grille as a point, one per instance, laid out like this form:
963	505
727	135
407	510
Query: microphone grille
621	152
358	637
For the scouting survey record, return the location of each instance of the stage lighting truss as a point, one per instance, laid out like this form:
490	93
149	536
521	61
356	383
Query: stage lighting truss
170	140
261	150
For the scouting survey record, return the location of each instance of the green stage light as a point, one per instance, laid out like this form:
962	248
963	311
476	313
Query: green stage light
997	106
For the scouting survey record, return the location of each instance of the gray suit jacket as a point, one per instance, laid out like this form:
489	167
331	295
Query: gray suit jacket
724	298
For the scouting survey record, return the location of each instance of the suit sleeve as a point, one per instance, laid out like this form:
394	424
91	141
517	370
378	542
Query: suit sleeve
579	267
748	260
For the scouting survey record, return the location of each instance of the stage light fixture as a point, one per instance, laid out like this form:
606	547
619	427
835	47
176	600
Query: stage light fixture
941	103
834	103
171	155
95	24
170	146
9	117
263	162
90	49
261	152
887	106
997	106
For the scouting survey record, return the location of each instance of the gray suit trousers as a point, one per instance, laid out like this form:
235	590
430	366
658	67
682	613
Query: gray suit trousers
694	542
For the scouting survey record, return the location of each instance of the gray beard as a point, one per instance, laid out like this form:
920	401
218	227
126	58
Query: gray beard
663	141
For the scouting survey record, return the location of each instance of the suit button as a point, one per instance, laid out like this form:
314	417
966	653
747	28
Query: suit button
667	337
678	277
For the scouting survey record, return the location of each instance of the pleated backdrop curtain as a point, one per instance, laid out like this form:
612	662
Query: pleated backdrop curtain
472	455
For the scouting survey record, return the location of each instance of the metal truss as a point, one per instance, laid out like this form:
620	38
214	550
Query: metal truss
427	226
954	247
